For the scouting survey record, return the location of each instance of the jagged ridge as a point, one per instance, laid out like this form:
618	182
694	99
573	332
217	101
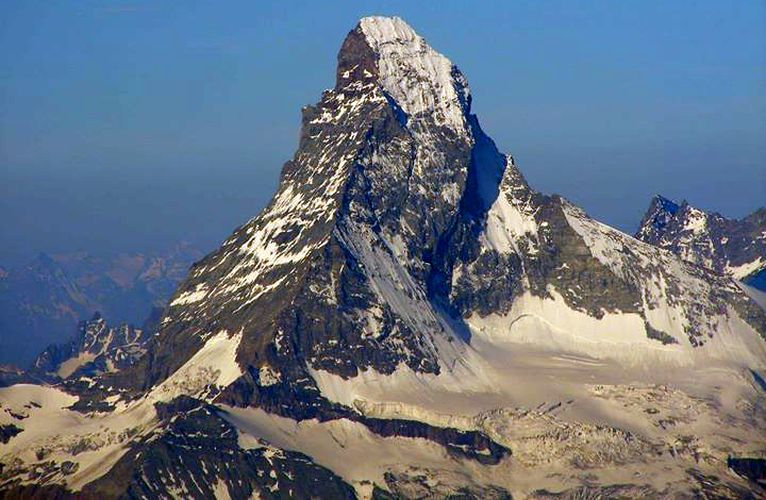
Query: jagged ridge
736	247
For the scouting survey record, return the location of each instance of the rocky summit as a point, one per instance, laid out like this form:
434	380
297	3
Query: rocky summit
735	247
98	348
409	318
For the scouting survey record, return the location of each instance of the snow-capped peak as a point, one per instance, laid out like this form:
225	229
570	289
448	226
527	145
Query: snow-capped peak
419	79
404	277
382	29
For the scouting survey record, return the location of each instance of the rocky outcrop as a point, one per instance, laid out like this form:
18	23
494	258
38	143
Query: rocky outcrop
735	247
97	349
195	454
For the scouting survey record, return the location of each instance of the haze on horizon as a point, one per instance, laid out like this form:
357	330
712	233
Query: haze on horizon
129	126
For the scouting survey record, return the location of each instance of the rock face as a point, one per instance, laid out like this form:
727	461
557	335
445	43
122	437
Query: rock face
407	311
97	349
728	246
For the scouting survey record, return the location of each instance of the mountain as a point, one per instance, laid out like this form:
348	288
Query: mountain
736	247
124	284
97	349
408	318
41	303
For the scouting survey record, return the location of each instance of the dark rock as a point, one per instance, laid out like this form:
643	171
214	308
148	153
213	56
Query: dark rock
8	431
753	469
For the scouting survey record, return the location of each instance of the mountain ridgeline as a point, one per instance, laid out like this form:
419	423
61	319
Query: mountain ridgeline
736	247
408	318
396	226
97	349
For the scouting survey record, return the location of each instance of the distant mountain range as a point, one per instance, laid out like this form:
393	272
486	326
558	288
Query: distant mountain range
42	302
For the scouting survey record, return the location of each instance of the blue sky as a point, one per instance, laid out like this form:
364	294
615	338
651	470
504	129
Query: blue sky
132	125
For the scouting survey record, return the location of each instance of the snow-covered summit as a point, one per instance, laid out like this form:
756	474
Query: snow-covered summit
417	77
398	227
383	29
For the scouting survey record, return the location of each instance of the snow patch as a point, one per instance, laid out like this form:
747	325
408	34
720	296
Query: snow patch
268	376
215	364
551	323
469	375
347	448
69	366
221	490
95	442
744	270
192	296
507	224
696	221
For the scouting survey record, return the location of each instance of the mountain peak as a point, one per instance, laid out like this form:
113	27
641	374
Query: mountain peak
420	80
666	204
728	246
659	214
383	29
406	287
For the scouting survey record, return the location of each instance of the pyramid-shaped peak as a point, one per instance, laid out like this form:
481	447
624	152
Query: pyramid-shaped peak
666	204
421	80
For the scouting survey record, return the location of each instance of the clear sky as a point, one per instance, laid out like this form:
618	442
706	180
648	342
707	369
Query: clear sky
132	125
